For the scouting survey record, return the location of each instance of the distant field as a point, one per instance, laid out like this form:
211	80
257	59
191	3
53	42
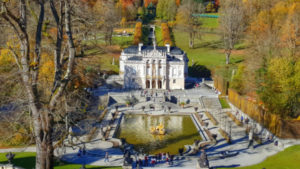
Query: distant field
287	159
27	161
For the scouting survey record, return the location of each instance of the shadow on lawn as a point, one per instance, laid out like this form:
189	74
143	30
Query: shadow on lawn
28	162
25	162
217	44
227	166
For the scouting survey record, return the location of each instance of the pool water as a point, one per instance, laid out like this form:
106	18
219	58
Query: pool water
180	131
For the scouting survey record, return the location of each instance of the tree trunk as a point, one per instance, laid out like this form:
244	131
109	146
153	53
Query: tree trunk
191	41
228	53
44	147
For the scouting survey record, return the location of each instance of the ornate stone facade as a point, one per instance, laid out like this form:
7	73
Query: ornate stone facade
153	67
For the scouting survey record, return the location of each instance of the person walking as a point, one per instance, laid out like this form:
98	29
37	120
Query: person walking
79	152
250	138
106	159
146	160
171	159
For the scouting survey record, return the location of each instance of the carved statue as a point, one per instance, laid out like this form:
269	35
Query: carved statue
203	161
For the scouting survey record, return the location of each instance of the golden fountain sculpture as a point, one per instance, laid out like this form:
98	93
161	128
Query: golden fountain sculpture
158	130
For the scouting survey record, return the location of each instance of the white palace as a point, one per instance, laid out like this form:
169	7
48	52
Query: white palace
153	67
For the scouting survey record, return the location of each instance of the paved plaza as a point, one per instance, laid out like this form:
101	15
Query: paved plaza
204	98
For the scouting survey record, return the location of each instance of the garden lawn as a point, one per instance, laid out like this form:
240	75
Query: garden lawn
158	36
27	160
207	50
224	103
287	159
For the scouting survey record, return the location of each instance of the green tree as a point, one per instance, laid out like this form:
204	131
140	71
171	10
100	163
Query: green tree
186	22
160	9
171	9
166	9
237	82
280	90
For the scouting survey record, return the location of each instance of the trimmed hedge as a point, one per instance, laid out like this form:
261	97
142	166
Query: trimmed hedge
211	118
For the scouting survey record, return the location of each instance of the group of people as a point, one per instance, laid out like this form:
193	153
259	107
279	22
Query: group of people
81	151
155	159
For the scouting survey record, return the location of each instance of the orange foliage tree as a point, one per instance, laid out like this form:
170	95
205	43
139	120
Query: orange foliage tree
147	2
137	33
178	2
166	34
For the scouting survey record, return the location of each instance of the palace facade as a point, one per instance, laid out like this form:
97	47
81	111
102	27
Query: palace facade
153	67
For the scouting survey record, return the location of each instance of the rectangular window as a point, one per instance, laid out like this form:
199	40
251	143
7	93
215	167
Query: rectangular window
174	80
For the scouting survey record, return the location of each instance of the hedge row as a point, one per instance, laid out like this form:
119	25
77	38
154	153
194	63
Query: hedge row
236	121
225	135
212	118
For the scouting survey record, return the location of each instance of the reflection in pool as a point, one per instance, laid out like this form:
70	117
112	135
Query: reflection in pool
180	131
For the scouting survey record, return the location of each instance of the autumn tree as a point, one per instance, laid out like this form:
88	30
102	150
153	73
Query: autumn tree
271	68
185	21
28	60
147	2
108	20
231	23
128	8
166	9
166	34
138	33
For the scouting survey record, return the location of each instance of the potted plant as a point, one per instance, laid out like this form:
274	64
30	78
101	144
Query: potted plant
182	104
128	103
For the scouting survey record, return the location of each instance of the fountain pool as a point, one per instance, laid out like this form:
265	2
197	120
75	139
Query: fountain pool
180	131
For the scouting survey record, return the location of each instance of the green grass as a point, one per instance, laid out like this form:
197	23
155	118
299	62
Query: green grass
287	159
209	22
207	50
123	42
27	160
158	36
224	103
106	63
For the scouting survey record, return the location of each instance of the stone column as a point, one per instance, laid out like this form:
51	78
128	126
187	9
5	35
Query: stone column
151	63
157	73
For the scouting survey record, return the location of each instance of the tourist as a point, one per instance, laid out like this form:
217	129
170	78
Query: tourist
79	152
270	136
159	155
247	120
106	157
83	150
168	158
171	159
152	161
146	160
164	157
250	138
242	119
